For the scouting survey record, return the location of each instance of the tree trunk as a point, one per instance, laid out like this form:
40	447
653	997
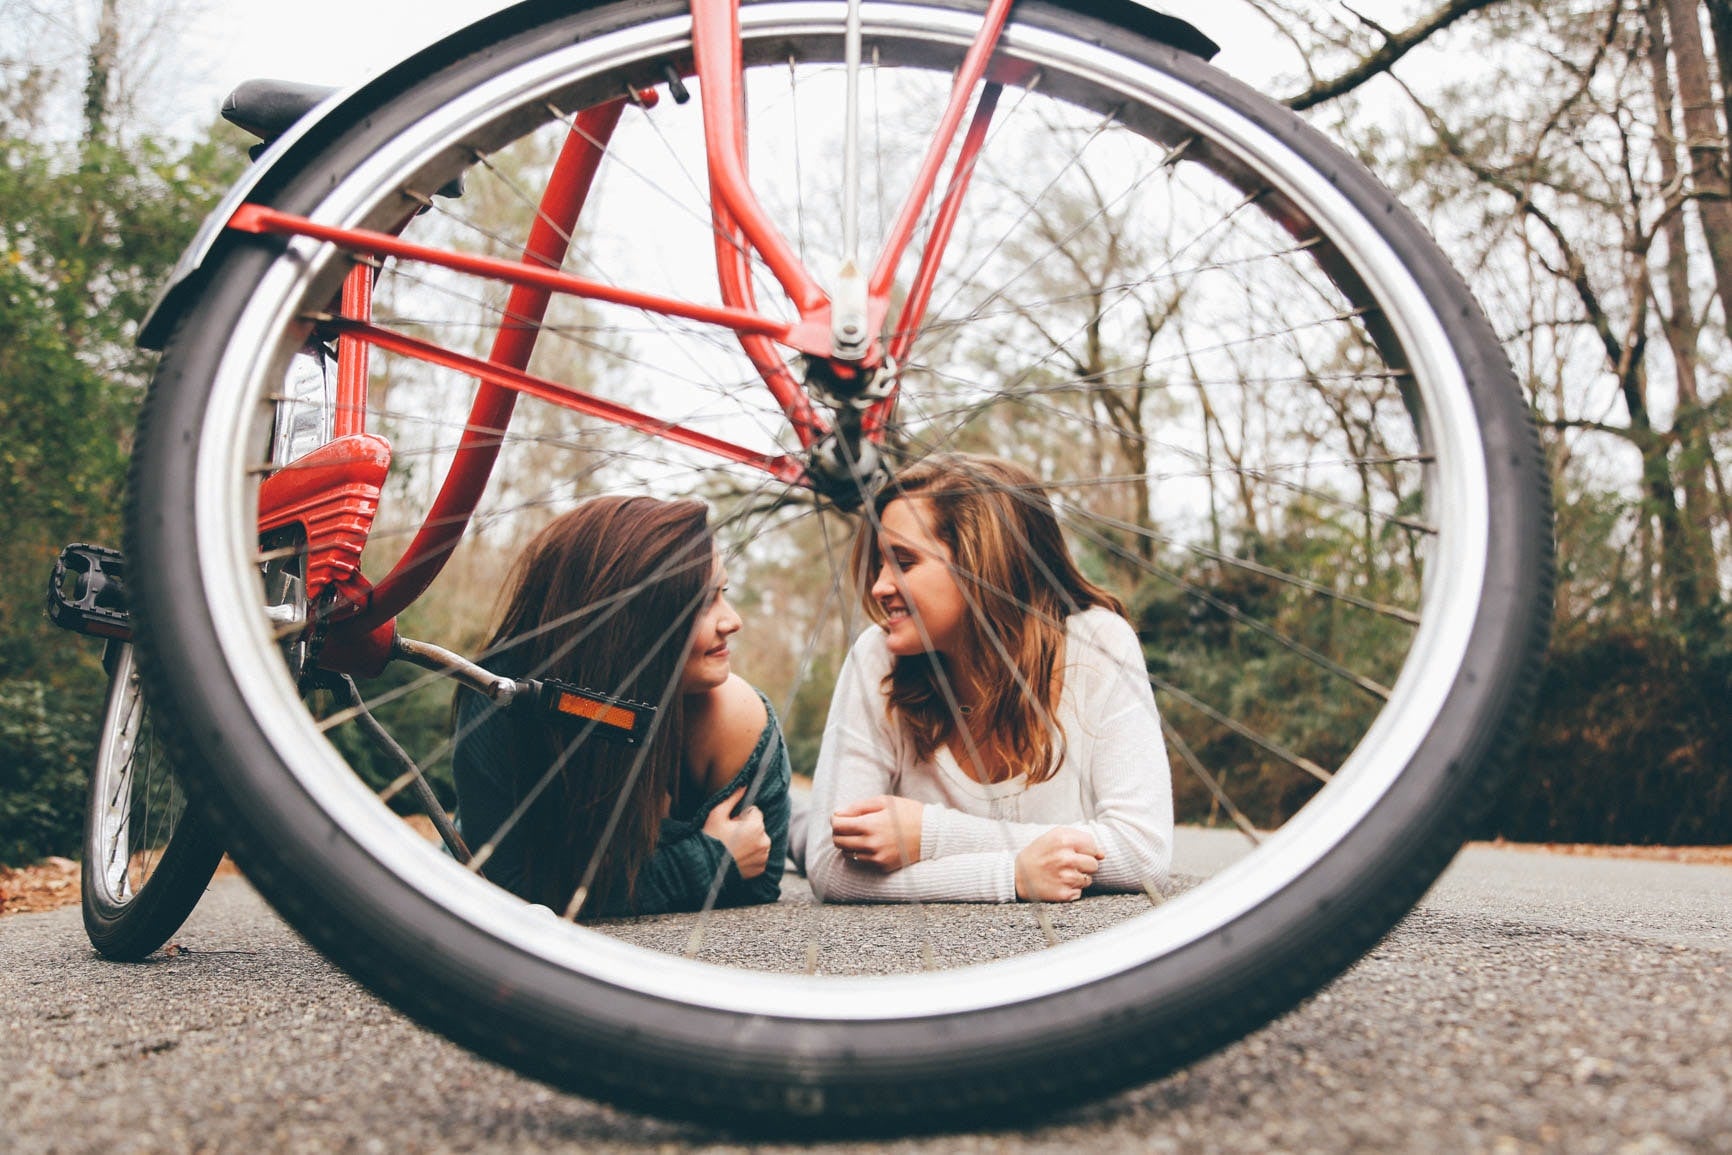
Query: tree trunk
1694	548
1679	579
104	53
1706	140
1720	22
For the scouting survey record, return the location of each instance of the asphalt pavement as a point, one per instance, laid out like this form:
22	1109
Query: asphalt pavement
1532	1003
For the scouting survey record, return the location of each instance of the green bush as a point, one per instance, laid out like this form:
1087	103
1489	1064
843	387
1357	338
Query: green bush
1631	740
46	744
1192	624
1631	732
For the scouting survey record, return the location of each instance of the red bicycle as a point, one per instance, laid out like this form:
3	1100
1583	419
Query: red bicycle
1270	416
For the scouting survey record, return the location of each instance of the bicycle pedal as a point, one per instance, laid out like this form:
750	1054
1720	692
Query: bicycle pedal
617	719
87	592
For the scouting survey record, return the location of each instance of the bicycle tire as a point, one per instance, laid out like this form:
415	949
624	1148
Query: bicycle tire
494	977
147	859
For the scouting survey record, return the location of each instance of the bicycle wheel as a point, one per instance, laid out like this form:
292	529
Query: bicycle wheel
147	860
1272	418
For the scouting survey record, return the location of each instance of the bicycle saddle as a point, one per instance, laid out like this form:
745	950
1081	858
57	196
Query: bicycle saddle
268	108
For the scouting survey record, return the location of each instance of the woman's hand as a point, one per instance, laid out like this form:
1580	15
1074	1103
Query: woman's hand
883	832
743	836
1058	866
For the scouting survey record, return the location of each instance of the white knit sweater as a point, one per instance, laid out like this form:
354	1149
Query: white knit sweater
1113	781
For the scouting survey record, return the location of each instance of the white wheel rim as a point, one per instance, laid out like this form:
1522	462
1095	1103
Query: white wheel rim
1456	575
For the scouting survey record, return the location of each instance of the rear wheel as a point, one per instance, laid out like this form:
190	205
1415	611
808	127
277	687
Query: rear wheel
1272	418
147	860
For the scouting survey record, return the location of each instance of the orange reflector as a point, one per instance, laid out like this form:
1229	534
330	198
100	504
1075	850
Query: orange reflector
589	708
615	719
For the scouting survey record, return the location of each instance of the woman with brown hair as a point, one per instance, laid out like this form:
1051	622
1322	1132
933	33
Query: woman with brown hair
994	737
625	597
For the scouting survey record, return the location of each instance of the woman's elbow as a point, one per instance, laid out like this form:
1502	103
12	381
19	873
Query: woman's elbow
822	875
1157	859
1145	860
827	873
758	891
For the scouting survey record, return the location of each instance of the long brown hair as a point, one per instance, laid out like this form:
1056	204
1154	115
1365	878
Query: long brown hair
604	597
1008	556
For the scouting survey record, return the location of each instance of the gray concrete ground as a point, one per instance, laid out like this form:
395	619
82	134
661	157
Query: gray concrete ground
1532	1002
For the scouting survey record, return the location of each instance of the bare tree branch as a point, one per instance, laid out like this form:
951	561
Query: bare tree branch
1574	269
1395	46
1622	432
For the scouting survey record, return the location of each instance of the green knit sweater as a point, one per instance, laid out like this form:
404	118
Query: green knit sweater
686	862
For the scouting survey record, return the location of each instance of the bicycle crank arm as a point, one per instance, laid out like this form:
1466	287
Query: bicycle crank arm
608	716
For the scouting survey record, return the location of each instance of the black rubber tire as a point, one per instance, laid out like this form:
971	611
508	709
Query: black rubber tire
997	1064
139	924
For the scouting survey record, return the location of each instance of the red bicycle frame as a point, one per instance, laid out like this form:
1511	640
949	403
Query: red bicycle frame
333	491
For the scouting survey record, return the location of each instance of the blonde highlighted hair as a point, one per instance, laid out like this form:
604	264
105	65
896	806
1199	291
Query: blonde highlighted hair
1009	559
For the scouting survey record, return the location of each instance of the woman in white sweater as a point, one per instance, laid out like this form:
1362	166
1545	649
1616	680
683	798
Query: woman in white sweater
993	737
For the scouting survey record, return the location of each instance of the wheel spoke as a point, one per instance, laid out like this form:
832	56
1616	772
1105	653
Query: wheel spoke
1232	366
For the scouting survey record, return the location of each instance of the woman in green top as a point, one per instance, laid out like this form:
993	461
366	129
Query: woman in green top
625	596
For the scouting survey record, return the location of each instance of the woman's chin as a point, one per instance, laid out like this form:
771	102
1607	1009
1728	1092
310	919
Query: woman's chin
701	679
903	640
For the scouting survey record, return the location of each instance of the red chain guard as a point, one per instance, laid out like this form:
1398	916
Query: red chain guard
332	493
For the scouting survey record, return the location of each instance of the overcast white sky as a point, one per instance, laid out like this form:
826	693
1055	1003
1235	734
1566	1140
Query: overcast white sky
242	39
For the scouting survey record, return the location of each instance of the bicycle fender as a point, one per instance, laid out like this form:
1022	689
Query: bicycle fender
344	107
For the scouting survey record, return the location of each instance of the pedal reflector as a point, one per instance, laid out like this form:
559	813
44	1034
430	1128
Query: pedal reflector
615	718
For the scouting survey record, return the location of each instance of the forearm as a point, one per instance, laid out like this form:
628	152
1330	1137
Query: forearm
958	878
1136	855
945	833
1133	859
766	887
680	874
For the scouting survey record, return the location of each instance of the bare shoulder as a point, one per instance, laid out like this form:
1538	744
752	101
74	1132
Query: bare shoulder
722	727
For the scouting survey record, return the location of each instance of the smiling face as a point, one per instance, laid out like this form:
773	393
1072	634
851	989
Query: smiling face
707	663
915	587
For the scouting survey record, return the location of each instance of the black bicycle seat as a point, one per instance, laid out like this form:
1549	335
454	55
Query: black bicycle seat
268	108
